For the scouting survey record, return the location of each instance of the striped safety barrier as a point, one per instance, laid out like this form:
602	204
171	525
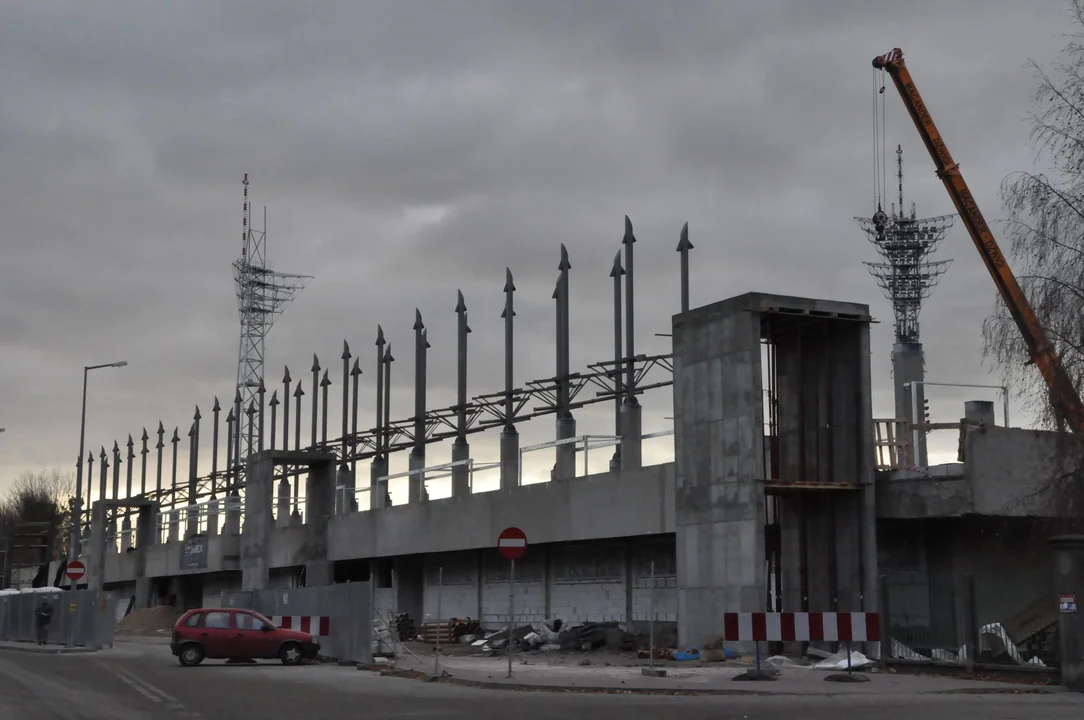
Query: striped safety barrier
802	627
318	625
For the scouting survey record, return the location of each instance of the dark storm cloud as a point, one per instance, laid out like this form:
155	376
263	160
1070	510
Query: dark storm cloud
406	150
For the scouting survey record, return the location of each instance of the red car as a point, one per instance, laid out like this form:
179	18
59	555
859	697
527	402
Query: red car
232	634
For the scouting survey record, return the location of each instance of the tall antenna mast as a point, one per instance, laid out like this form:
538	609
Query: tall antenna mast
262	295
899	173
908	275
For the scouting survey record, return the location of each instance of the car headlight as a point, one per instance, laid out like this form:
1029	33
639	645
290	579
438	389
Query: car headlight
314	640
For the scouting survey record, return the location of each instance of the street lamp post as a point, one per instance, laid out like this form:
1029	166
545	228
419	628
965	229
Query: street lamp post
77	511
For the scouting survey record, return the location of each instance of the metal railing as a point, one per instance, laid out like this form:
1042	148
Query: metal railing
206	517
893	442
584	444
358	499
361	499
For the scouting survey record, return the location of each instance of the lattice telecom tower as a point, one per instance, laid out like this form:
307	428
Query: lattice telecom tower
262	294
906	242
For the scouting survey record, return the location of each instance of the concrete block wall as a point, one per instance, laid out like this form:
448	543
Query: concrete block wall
602	581
1023	473
384	604
454	578
215	585
530	602
659	550
589	581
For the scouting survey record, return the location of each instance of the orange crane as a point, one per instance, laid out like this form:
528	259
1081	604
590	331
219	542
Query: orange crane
1063	395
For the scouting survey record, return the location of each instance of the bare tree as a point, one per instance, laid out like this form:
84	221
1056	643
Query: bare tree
40	497
1045	226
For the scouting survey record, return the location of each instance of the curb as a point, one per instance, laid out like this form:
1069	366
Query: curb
448	679
51	651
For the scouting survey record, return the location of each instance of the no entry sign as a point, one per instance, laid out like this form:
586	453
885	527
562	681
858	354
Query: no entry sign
76	570
512	543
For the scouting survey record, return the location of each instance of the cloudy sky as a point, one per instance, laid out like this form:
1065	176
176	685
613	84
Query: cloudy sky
407	149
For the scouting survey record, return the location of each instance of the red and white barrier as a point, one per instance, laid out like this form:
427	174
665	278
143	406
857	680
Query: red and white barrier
802	627
318	625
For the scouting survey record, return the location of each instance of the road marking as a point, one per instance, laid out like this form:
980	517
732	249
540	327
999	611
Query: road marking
144	688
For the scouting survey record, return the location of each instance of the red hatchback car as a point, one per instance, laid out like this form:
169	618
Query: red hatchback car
231	634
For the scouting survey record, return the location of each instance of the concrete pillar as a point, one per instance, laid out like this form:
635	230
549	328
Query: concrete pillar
282	514
295	513
509	458
319	507
192	525
416	491
174	523
909	365
1069	585
212	517
867	475
632	428
232	526
111	531
126	534
95	559
378	487
461	481
344	489
349	494
719	464
256	538
144	539
565	467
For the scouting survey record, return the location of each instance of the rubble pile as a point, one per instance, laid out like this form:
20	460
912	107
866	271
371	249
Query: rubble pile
404	627
154	619
557	636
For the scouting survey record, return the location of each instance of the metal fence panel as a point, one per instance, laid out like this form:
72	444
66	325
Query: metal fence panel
83	617
346	606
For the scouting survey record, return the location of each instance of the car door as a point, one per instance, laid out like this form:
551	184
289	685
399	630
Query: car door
217	634
255	642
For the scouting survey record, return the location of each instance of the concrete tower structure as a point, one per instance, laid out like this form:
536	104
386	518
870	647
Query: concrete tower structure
907	276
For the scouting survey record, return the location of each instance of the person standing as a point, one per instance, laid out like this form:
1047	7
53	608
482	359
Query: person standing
42	616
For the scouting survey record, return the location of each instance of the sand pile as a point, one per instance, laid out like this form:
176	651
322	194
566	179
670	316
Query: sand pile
154	619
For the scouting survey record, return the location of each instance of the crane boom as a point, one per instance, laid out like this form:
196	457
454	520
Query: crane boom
1063	395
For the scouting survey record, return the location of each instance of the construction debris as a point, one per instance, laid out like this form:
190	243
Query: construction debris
160	618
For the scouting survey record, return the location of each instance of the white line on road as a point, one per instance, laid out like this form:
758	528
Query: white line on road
144	688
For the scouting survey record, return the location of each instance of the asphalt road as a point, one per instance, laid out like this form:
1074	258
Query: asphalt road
145	683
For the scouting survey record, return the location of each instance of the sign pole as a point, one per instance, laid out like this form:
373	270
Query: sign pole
511	610
651	622
436	653
512	544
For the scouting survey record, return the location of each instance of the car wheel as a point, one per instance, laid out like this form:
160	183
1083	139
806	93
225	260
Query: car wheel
190	655
291	654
